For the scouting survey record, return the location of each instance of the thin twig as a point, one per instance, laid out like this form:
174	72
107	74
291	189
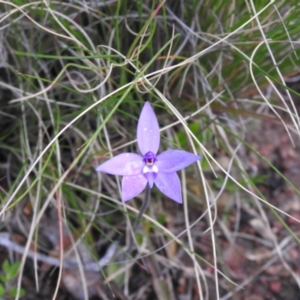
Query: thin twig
92	266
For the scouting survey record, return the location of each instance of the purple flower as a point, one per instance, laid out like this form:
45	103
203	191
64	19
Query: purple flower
149	168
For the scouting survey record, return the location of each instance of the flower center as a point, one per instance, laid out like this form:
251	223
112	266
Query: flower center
150	169
149	158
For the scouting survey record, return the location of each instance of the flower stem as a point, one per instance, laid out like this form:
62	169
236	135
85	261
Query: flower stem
138	220
136	223
143	209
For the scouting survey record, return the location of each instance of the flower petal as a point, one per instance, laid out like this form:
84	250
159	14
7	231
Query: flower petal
123	164
169	184
148	136
132	186
150	176
174	160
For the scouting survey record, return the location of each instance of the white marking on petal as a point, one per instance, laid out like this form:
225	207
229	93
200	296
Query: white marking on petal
150	169
145	128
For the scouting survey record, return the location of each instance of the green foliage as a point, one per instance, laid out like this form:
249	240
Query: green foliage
8	273
231	186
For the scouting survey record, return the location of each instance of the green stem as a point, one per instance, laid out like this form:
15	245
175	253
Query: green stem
143	209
